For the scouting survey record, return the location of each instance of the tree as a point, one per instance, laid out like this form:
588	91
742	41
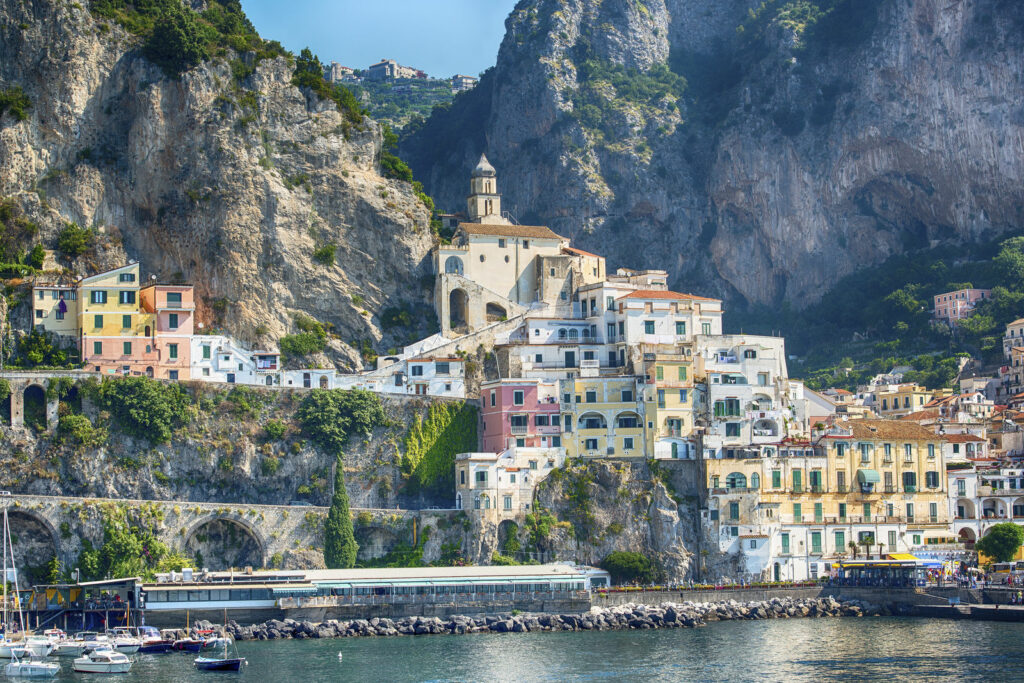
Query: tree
1002	542
629	566
340	545
853	549
176	43
867	542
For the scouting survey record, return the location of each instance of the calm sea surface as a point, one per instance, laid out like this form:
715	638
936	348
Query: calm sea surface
865	649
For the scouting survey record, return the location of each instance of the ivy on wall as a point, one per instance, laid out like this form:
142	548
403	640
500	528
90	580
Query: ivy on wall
430	446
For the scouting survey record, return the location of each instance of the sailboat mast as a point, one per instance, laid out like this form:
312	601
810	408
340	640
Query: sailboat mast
5	569
10	546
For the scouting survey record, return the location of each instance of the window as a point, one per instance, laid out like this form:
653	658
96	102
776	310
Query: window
126	297
732	428
540	420
481	476
961	487
659	373
908	454
797	512
753	543
42	295
785	543
762	379
591	444
931	450
417	370
231	378
817	513
892	541
917	539
97	348
931	480
98	296
840	541
840	450
734	531
680	328
172	321
622	329
39	314
97	321
172	374
910	512
442	368
909	481
734	511
933	511
867	511
533	464
776	479
627	396
750	353
681	372
591	396
501	242
518	398
842	513
661	398
172	351
206	372
126	348
206	352
816	542
556	442
887	449
526	244
682	395
755	481
648	327
865	452
627	443
508	502
841	481
493	397
568	422
705	328
126	277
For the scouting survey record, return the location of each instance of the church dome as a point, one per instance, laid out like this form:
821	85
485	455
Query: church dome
483	168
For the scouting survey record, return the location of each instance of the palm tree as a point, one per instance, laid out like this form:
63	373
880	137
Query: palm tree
867	542
853	549
880	547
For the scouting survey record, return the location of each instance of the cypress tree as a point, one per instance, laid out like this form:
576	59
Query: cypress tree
340	545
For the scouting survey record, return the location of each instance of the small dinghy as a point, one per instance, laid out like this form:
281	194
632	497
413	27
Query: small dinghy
224	663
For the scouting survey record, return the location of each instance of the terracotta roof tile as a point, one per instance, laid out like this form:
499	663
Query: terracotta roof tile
890	429
574	250
537	232
663	294
927	414
961	438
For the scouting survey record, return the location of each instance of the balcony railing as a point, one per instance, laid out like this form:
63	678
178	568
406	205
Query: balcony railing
519	429
889	488
841	488
817	488
910	489
797	488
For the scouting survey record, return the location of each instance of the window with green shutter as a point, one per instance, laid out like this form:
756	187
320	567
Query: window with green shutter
785	543
816	542
817	513
776	479
840	541
867	511
682	373
659	372
797	512
797	481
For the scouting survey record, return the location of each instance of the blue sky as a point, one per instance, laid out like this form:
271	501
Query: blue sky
442	37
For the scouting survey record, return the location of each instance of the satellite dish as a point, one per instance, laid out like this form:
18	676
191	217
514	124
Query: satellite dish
152	277
200	325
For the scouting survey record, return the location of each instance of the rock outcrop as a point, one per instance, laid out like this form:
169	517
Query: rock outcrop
226	180
797	153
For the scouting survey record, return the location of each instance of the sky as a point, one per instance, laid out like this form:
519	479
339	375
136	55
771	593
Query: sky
441	37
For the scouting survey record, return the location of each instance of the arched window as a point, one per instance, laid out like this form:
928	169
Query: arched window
453	264
458	501
574	334
755	481
736	480
561	333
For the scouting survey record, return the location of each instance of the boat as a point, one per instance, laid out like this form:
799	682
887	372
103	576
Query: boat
40	646
31	668
9	649
124	642
224	663
188	645
152	640
103	661
69	648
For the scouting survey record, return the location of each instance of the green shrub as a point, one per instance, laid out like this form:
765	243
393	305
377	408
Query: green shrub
143	408
275	429
301	344
75	240
324	255
269	465
309	74
38	348
15	101
37	256
1001	542
78	430
176	43
330	416
627	566
5	389
428	458
131	546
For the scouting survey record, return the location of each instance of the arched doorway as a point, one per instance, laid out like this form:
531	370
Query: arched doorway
149	371
967	537
269	380
458	309
222	543
496	312
35	406
776	572
323	381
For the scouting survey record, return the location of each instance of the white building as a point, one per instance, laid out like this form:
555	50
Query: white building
983	496
218	358
500	486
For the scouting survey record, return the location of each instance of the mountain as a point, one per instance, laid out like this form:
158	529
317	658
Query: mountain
212	168
759	151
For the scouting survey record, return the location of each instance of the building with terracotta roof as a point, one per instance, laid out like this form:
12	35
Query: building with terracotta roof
951	307
1014	336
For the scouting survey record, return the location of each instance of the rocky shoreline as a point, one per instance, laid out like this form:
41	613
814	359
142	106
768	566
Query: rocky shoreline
621	617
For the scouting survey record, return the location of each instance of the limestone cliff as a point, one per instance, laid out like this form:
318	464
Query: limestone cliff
811	139
223	178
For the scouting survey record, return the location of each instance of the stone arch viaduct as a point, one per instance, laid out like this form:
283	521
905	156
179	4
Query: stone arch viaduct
273	528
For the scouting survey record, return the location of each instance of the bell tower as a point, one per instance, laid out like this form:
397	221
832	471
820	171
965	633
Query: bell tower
484	202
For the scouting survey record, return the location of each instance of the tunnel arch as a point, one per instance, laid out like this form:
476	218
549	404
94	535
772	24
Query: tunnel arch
34	406
35	540
239	543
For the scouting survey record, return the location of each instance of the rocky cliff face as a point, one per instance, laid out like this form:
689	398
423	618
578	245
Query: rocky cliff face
802	148
227	182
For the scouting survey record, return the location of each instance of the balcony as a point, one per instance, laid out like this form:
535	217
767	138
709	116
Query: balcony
889	488
798	488
841	488
817	488
519	429
910	489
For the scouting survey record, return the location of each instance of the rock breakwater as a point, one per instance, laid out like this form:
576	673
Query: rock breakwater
629	616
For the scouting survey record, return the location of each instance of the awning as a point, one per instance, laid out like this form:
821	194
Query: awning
868	477
301	590
901	556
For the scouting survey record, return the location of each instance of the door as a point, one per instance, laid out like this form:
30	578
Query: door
570	359
777	574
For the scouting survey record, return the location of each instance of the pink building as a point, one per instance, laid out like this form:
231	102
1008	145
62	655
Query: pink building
953	306
520	412
173	307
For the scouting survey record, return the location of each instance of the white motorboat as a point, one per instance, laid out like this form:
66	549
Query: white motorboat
103	662
10	649
69	648
31	668
40	646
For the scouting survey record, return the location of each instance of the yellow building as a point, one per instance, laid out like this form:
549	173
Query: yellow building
901	399
603	416
55	309
669	405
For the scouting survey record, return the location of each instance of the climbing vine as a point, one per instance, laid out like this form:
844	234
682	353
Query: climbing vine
430	446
